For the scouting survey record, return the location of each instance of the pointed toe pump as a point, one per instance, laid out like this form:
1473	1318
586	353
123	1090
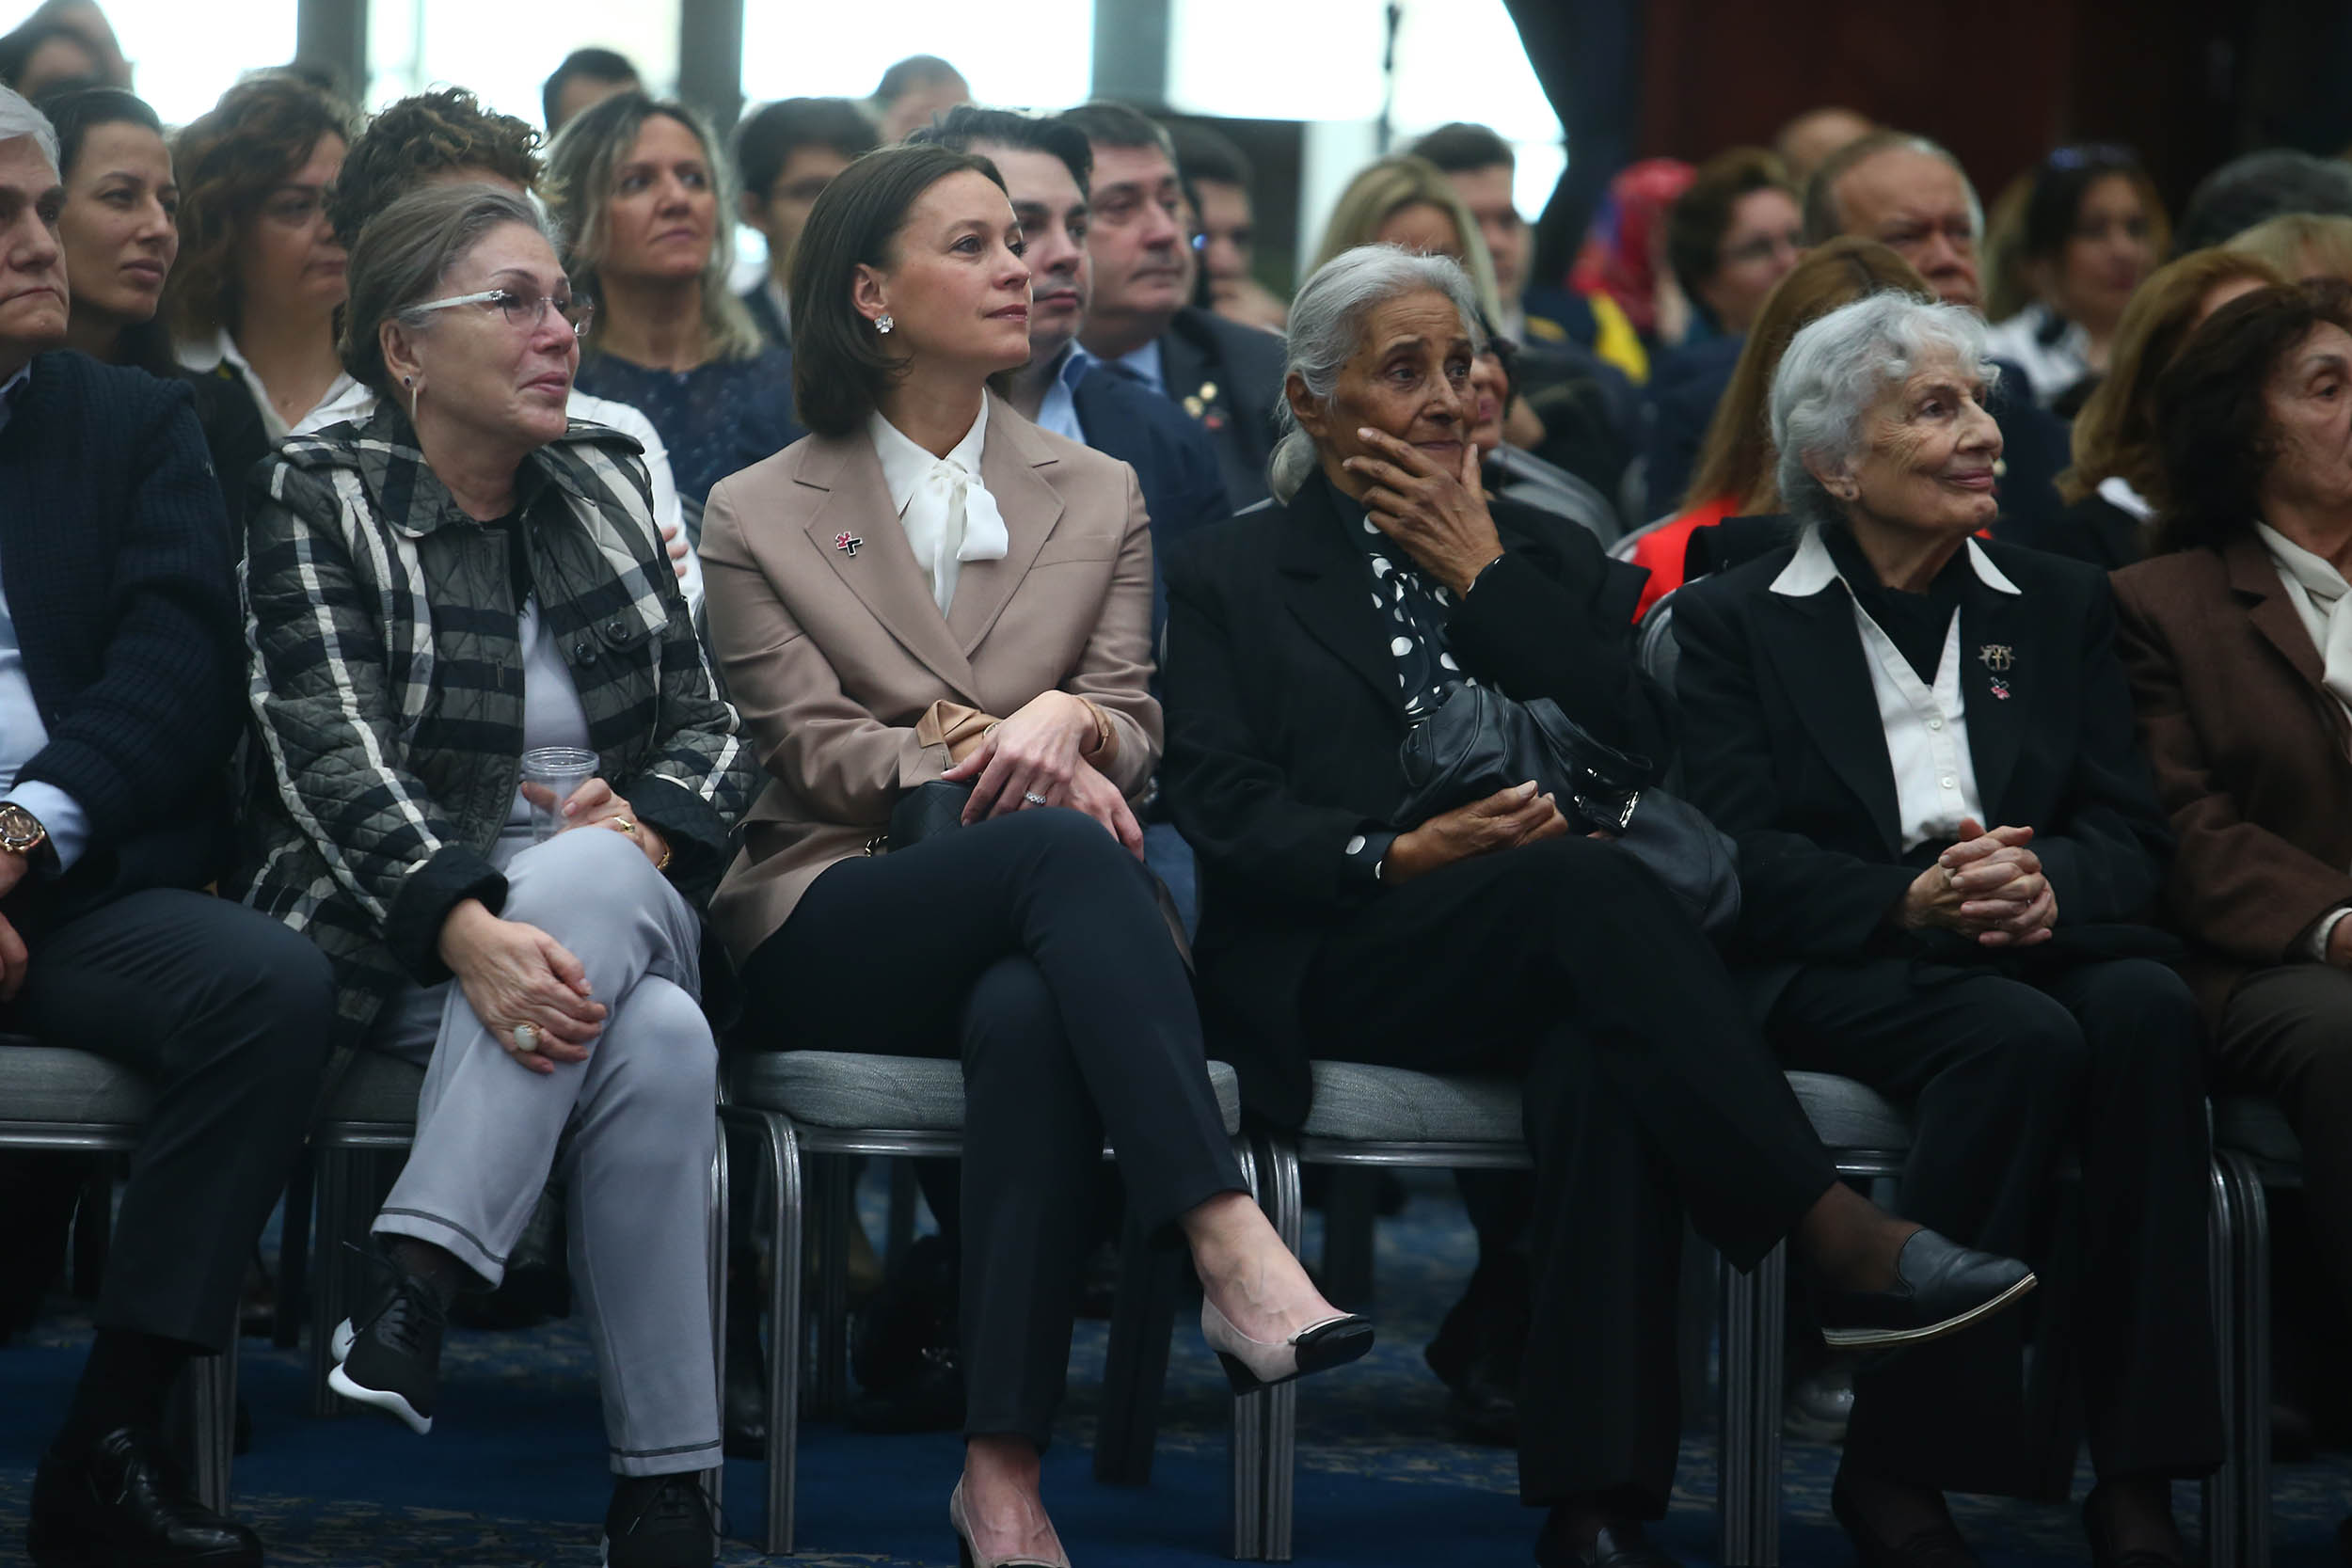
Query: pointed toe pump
1254	1364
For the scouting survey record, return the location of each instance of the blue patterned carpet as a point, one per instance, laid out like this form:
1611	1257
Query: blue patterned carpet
512	1474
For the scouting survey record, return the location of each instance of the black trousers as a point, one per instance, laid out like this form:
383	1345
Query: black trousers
1033	946
2002	1075
231	1014
2287	1032
1647	1093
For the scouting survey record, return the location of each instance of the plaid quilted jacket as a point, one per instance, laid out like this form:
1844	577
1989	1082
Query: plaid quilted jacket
386	670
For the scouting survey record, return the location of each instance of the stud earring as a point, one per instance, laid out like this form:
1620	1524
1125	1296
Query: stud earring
408	381
884	323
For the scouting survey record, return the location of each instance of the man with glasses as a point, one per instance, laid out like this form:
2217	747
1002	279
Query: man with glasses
122	680
1227	377
784	157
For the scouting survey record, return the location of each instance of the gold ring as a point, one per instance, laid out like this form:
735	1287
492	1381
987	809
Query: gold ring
623	825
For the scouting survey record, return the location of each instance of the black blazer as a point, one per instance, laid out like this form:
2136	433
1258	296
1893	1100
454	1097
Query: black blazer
2095	529
1786	753
1283	723
115	556
1174	461
1229	378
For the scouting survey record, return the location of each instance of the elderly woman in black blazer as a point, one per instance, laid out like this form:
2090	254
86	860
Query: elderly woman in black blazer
1488	938
1860	702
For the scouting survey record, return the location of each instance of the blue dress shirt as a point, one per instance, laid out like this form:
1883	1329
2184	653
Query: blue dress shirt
1059	412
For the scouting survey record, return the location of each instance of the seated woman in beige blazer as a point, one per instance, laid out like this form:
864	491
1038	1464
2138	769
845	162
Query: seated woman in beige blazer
927	560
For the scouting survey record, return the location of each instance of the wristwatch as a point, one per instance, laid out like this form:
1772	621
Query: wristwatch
21	834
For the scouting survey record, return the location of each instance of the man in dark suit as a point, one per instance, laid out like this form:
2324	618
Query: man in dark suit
120	668
784	157
1046	164
1227	377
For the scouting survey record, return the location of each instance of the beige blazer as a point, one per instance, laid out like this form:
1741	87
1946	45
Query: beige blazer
831	657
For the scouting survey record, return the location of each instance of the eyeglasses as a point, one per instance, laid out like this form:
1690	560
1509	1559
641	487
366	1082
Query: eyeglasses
524	313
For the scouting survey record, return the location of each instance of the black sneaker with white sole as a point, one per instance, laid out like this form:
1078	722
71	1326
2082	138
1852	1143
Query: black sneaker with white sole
659	1522
395	1362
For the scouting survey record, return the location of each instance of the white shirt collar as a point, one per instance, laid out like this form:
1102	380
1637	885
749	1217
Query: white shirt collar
942	503
1811	569
2117	492
222	349
905	464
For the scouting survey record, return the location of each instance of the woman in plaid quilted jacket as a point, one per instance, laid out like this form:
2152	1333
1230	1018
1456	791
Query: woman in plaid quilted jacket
460	578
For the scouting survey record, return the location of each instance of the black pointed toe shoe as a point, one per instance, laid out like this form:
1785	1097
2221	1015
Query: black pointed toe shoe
1254	1364
1940	1288
124	1504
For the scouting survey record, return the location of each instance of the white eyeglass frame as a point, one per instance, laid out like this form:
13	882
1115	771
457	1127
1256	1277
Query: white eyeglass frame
485	296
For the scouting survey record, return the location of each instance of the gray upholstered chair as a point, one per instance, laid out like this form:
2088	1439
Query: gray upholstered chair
58	1100
2254	1147
1364	1116
813	1111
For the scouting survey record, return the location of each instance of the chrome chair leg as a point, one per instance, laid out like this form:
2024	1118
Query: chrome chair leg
213	1412
1754	1307
714	1478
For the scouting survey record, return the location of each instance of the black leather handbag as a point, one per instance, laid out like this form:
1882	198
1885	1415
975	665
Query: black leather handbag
923	812
1479	741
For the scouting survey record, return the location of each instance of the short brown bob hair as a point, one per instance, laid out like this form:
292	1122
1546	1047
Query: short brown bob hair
404	254
228	162
2213	415
1701	215
839	368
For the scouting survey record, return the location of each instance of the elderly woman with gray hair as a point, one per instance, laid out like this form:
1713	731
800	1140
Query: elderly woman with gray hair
460	578
1923	745
1489	939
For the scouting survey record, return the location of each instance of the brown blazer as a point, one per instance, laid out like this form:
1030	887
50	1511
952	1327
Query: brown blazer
831	657
2250	757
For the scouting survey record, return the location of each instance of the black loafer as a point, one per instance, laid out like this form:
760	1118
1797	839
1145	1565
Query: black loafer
1940	1288
1613	1548
1938	1547
125	1503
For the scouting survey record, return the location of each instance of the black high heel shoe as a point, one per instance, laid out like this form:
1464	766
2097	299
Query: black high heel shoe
1254	1364
966	1558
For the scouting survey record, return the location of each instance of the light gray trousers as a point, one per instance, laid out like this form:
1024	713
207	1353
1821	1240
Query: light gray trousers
636	1168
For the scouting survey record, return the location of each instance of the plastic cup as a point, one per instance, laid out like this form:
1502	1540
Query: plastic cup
562	769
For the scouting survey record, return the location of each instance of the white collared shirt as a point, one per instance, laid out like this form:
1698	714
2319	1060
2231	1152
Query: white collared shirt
2329	624
222	349
1926	727
1058	411
947	512
2053	355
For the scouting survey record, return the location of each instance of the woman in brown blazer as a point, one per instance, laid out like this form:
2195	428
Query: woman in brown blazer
2239	646
931	588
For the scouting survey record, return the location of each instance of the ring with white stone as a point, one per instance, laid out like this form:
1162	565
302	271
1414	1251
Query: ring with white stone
527	1038
1033	798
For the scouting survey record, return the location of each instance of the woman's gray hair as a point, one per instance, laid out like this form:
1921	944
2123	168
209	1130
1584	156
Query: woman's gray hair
18	118
1326	327
1836	368
404	254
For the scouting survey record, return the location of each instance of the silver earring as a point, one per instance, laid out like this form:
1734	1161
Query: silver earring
408	381
884	323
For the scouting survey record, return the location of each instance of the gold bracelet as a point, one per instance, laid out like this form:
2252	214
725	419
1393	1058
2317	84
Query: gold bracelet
1103	733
